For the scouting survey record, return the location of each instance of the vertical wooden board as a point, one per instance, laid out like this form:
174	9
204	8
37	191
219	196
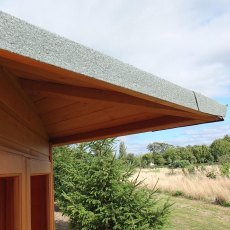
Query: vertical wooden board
2	203
8	214
11	164
39	202
50	193
14	131
10	218
27	195
17	202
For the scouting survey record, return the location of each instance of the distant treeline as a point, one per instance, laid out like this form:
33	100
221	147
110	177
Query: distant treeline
163	154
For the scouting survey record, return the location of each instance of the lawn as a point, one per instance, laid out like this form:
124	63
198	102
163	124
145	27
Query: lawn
192	214
186	215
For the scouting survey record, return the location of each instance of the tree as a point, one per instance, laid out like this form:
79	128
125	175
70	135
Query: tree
186	154
158	159
159	147
96	192
202	154
122	150
171	155
130	158
226	138
146	159
220	147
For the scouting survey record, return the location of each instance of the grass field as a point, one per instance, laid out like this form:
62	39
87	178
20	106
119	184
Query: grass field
193	214
185	215
197	186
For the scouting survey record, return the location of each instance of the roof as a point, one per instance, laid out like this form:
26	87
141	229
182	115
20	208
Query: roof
35	55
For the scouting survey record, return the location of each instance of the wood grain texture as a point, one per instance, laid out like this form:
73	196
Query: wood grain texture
97	95
125	129
21	128
39	220
10	206
14	99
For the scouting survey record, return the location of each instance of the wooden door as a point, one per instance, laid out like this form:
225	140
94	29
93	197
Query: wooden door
39	201
9	205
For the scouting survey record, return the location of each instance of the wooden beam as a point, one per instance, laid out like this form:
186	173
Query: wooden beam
135	127
91	94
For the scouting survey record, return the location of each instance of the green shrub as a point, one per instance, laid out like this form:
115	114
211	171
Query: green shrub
211	174
222	201
224	161
225	169
191	169
95	191
177	193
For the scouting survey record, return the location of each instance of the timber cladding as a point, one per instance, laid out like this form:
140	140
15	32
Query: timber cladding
24	155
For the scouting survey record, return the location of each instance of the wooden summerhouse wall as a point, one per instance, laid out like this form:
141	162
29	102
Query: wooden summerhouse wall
25	161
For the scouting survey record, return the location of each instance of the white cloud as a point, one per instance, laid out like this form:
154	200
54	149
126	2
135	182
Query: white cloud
204	134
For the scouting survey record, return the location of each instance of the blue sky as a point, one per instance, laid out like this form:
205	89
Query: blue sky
183	41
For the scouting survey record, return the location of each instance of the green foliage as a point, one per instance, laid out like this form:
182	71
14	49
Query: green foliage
146	160
171	156
180	164
130	158
225	169
159	147
222	201
220	147
211	174
158	159
202	154
94	189
122	150
166	154
226	138
177	193
224	161
191	169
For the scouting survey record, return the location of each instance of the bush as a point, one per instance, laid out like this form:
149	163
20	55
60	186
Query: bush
191	169
95	191
177	193
225	169
222	201
224	160
211	175
220	147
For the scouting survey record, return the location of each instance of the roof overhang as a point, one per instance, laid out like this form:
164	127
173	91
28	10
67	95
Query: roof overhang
82	95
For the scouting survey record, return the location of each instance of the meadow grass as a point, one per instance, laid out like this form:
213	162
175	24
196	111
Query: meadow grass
195	215
196	186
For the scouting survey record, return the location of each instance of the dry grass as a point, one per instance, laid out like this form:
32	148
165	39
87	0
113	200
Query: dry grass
196	186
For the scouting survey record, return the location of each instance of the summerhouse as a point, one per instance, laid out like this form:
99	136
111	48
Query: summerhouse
54	91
